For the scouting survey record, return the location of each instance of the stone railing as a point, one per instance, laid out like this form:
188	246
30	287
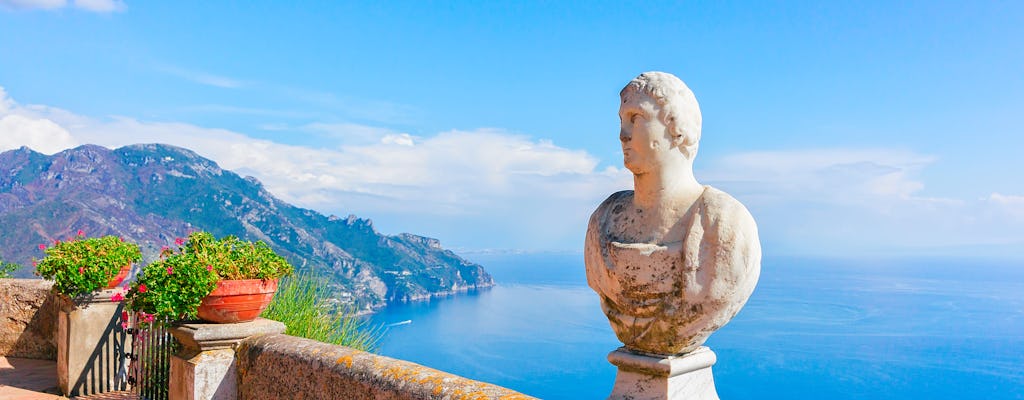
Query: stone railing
28	319
254	361
287	367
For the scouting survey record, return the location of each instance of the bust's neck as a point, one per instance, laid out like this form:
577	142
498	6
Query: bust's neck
675	188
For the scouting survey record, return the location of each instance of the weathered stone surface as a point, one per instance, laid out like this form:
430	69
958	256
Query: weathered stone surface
28	319
643	377
197	337
91	345
287	367
205	367
672	260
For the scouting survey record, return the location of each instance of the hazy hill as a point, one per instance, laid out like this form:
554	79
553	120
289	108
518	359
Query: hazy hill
153	193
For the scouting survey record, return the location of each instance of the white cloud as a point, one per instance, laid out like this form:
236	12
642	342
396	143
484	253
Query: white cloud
837	175
41	135
350	133
1011	205
509	186
203	78
102	6
98	6
33	4
845	201
487	188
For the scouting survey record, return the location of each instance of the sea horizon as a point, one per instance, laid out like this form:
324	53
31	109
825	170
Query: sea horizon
814	328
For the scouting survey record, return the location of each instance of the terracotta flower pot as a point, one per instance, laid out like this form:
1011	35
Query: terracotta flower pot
237	300
117	279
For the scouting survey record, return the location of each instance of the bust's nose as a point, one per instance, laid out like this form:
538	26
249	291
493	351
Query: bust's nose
624	135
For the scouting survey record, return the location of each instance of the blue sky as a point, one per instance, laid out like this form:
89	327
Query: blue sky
847	128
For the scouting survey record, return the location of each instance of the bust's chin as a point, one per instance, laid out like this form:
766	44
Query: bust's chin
631	165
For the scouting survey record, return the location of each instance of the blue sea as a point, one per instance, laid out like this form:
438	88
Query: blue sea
813	329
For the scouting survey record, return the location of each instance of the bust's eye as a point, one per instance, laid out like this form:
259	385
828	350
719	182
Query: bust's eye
633	117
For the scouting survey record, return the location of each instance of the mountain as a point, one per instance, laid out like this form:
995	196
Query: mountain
153	193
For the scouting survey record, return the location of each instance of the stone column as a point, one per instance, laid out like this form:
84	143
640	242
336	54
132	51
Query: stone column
205	368
646	377
91	345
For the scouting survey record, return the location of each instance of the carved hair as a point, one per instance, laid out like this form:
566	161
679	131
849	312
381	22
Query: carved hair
681	113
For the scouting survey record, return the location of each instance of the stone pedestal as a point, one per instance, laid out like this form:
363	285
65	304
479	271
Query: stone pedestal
205	368
91	345
645	377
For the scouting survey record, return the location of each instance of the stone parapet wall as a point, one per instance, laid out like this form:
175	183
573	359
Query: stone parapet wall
287	367
28	319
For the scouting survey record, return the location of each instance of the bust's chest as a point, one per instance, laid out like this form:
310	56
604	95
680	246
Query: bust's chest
624	222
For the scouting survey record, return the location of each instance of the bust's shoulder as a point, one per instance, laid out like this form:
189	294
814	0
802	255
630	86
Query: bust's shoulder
618	199
721	206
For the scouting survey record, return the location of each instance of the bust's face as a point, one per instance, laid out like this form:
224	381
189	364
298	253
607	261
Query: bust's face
645	139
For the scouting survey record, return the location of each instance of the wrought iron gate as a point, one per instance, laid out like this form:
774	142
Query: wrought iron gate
150	359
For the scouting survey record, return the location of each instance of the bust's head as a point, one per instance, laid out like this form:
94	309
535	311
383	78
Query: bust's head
662	113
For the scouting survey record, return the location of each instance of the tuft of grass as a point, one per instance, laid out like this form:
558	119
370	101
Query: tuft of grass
303	304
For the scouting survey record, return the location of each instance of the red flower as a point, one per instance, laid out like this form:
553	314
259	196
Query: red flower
148	317
209	268
170	270
42	246
179	241
142	288
56	242
81	270
124	316
81	233
117	297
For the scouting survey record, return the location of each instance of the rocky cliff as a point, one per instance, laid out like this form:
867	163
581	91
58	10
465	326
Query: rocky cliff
153	193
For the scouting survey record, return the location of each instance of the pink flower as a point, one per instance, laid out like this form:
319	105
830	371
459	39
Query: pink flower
117	297
124	325
81	270
148	317
42	246
120	238
170	270
124	316
179	241
56	242
209	268
81	233
142	288
164	248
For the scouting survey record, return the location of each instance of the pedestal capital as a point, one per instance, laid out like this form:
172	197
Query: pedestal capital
667	366
197	337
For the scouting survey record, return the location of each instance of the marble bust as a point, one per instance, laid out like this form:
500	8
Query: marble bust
672	260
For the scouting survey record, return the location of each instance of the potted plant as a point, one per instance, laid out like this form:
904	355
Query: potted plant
218	280
81	265
86	335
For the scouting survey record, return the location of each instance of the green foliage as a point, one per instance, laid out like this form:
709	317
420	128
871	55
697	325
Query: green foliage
175	285
303	304
80	266
233	258
7	268
172	287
